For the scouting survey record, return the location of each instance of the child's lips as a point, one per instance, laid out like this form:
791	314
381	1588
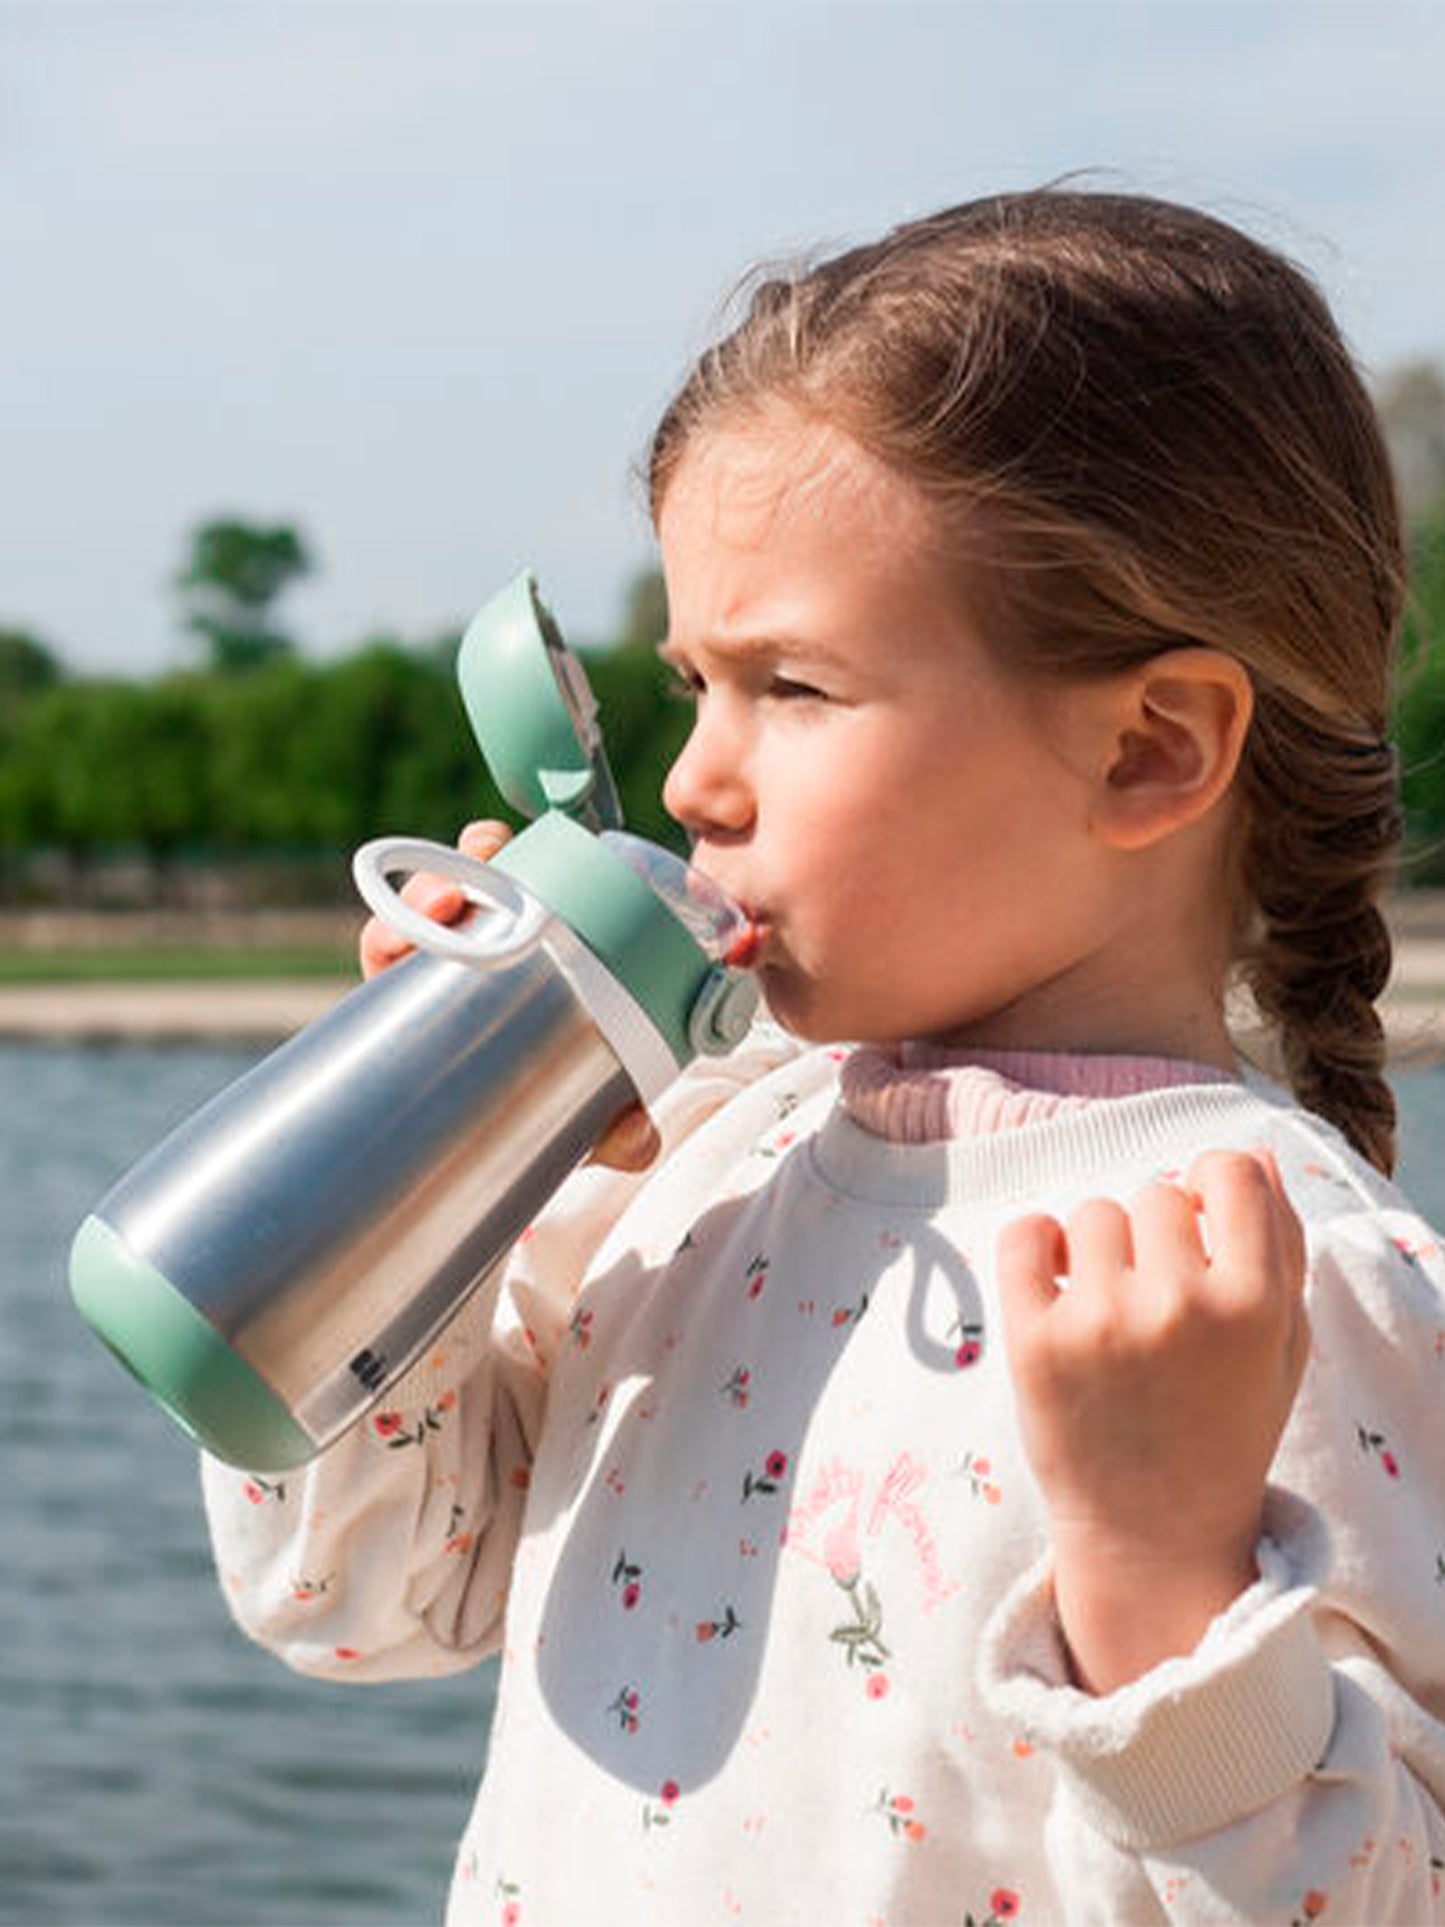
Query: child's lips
742	953
754	934
747	947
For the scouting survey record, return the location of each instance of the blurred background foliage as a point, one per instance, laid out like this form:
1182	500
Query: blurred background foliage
249	777
252	775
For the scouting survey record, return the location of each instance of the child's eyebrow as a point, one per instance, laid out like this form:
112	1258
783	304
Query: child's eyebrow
766	648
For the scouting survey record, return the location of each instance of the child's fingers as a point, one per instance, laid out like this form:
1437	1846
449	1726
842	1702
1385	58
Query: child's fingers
1292	1229
436	897
1168	1237
631	1143
483	840
1031	1256
380	946
1254	1233
1100	1242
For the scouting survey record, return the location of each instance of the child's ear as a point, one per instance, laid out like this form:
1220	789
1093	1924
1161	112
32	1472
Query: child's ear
1178	731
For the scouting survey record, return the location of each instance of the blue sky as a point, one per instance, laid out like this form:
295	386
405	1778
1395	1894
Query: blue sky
418	276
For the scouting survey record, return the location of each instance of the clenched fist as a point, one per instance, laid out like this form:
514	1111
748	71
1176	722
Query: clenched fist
1156	1354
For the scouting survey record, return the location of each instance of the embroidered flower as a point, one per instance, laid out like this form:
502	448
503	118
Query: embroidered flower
737	1387
898	1810
669	1793
1375	1442
978	1470
627	1581
841	1554
861	1637
970	1342
393	1428
775	1467
626	1707
1003	1904
850	1314
724	1628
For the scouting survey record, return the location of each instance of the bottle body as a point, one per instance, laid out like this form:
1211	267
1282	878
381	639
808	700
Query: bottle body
328	1213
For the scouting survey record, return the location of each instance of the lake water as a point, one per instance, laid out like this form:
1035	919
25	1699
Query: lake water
155	1769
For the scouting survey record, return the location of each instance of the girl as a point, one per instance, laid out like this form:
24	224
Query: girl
990	1463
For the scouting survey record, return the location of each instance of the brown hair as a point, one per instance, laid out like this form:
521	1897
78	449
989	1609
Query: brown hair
1155	422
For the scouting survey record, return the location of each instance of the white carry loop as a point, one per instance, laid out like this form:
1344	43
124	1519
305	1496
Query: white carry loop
514	926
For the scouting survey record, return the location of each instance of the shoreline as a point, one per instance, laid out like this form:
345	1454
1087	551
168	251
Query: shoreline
182	1011
263	1014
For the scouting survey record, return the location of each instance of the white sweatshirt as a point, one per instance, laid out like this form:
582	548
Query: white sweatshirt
727	1464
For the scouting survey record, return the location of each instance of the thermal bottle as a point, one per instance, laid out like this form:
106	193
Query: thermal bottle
271	1268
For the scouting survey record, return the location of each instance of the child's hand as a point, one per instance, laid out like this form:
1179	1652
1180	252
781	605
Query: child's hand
1153	1389
632	1143
435	897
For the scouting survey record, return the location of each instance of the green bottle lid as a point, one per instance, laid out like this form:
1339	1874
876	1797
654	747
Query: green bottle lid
533	712
534	716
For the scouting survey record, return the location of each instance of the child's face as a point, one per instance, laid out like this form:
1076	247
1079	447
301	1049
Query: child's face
906	824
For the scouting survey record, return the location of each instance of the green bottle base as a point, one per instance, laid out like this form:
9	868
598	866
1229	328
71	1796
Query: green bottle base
180	1358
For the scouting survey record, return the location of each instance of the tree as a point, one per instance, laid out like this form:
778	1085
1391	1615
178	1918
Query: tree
234	575
644	610
1412	410
26	668
26	663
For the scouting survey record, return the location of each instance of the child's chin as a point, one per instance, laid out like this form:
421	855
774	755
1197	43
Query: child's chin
801	1010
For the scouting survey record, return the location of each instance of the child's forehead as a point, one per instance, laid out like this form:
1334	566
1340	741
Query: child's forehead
748	477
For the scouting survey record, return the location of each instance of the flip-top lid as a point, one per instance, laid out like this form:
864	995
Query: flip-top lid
533	712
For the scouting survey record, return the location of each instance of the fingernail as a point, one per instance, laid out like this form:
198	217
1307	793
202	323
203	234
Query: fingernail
487	829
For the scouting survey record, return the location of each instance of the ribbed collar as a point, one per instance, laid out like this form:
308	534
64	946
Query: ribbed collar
917	1093
1125	1138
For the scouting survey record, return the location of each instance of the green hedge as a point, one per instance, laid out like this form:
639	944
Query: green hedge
289	757
295	756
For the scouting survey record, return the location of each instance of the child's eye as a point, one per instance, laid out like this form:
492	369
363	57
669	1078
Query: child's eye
681	685
785	689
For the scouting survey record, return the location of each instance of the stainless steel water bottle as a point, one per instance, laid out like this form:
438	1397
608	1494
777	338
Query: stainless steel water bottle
272	1266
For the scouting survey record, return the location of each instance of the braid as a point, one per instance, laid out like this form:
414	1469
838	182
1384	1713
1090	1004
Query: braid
1324	828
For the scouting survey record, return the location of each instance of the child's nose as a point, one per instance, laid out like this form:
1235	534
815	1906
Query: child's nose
707	789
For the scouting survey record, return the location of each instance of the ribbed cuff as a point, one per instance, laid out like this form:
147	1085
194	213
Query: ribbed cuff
1200	1741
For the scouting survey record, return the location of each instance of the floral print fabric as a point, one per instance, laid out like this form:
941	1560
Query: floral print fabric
728	1467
